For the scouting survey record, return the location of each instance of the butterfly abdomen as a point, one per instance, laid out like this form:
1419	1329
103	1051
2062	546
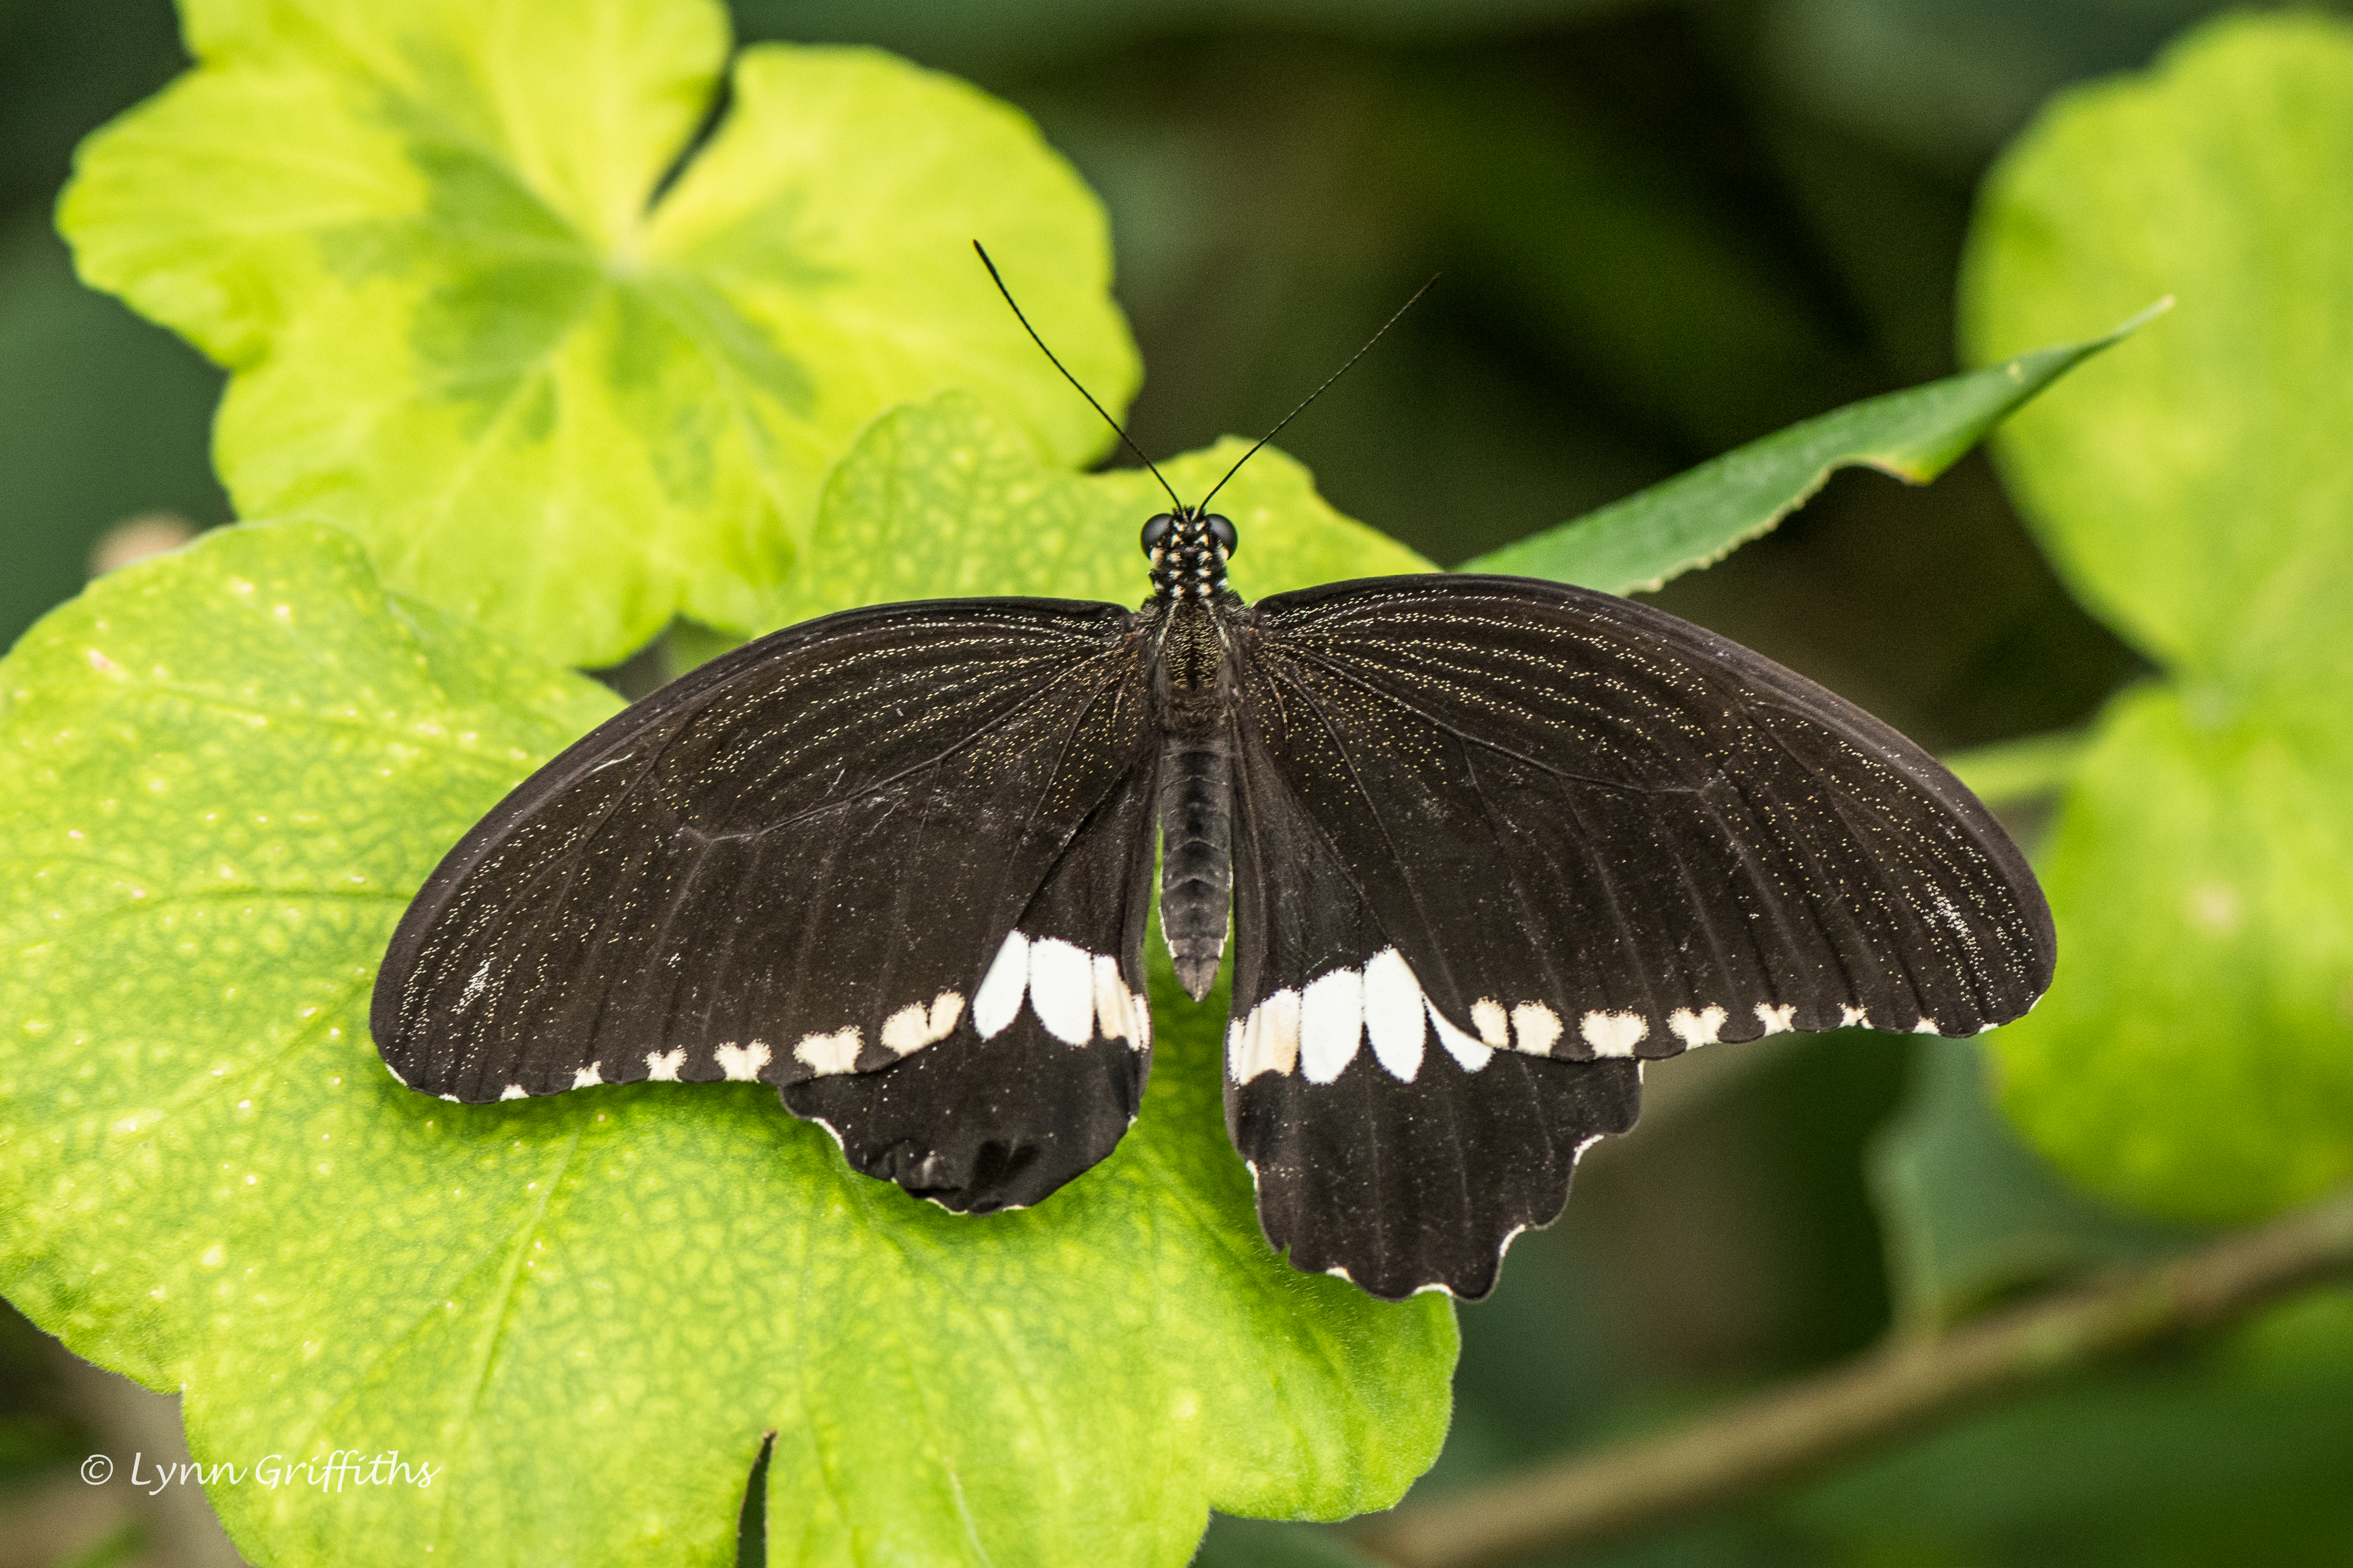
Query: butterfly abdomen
1197	872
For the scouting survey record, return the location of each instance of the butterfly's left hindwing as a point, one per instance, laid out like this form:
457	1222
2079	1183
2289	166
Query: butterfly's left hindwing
806	863
1487	816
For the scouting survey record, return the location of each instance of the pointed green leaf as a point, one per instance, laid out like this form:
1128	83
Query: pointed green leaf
2192	486
944	501
2195	1056
223	774
468	320
1703	514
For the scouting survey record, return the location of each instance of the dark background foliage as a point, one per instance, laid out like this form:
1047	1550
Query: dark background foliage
1663	230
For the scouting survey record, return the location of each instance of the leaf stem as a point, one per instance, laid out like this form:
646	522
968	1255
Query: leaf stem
1904	1385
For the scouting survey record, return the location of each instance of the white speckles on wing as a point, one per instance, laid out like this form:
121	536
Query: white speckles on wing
475	983
1331	1024
1494	1025
587	1076
821	1054
1467	1052
1536	1028
515	1092
1062	990
1853	1017
1393	1010
1777	1020
661	1067
1700	1028
999	999
742	1064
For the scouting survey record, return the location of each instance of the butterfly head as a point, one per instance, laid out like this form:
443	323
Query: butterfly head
1189	548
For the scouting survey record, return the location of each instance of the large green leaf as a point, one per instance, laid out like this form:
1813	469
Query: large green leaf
471	318
2195	1057
2193	485
224	772
945	500
1703	514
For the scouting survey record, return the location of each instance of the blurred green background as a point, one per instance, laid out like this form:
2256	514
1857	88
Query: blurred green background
1663	230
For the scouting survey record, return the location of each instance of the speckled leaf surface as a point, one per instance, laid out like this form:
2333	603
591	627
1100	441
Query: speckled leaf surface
942	500
223	774
471	315
1700	516
2195	1057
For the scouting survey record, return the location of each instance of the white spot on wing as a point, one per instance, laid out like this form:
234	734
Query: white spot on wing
821	1054
999	997
515	1092
742	1064
1926	1026
1331	1024
947	1008
1140	1012
1853	1017
1494	1025
1467	1052
1115	1007
904	1032
1062	990
661	1067
1536	1029
1777	1020
1700	1028
587	1076
1393	1011
1269	1041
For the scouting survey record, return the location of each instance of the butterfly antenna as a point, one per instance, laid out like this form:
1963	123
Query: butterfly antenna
1319	392
1073	380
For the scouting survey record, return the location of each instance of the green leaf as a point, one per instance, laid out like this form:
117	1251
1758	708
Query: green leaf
944	501
2029	768
1701	515
468	320
2193	488
2195	1057
224	772
1970	1214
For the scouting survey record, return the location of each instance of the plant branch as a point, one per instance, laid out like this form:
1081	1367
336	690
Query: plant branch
1900	1388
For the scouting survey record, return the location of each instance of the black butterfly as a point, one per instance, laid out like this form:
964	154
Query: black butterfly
1490	843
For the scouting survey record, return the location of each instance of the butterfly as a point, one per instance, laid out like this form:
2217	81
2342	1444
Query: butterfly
1485	844
1488	844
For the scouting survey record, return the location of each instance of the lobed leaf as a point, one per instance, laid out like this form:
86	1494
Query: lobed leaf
474	315
944	501
2195	1057
2194	489
224	772
1703	514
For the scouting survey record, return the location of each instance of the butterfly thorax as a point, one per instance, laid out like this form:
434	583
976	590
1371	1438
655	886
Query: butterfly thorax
1191	618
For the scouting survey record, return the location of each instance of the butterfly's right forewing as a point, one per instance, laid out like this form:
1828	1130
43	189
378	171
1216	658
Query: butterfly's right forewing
805	861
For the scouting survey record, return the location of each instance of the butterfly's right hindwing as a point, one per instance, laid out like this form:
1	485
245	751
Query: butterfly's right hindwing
804	862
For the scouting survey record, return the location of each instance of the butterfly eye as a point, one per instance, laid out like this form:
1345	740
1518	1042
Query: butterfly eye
1156	530
1222	530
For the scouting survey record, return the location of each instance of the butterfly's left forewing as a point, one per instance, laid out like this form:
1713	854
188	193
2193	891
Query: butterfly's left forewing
880	853
1544	823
